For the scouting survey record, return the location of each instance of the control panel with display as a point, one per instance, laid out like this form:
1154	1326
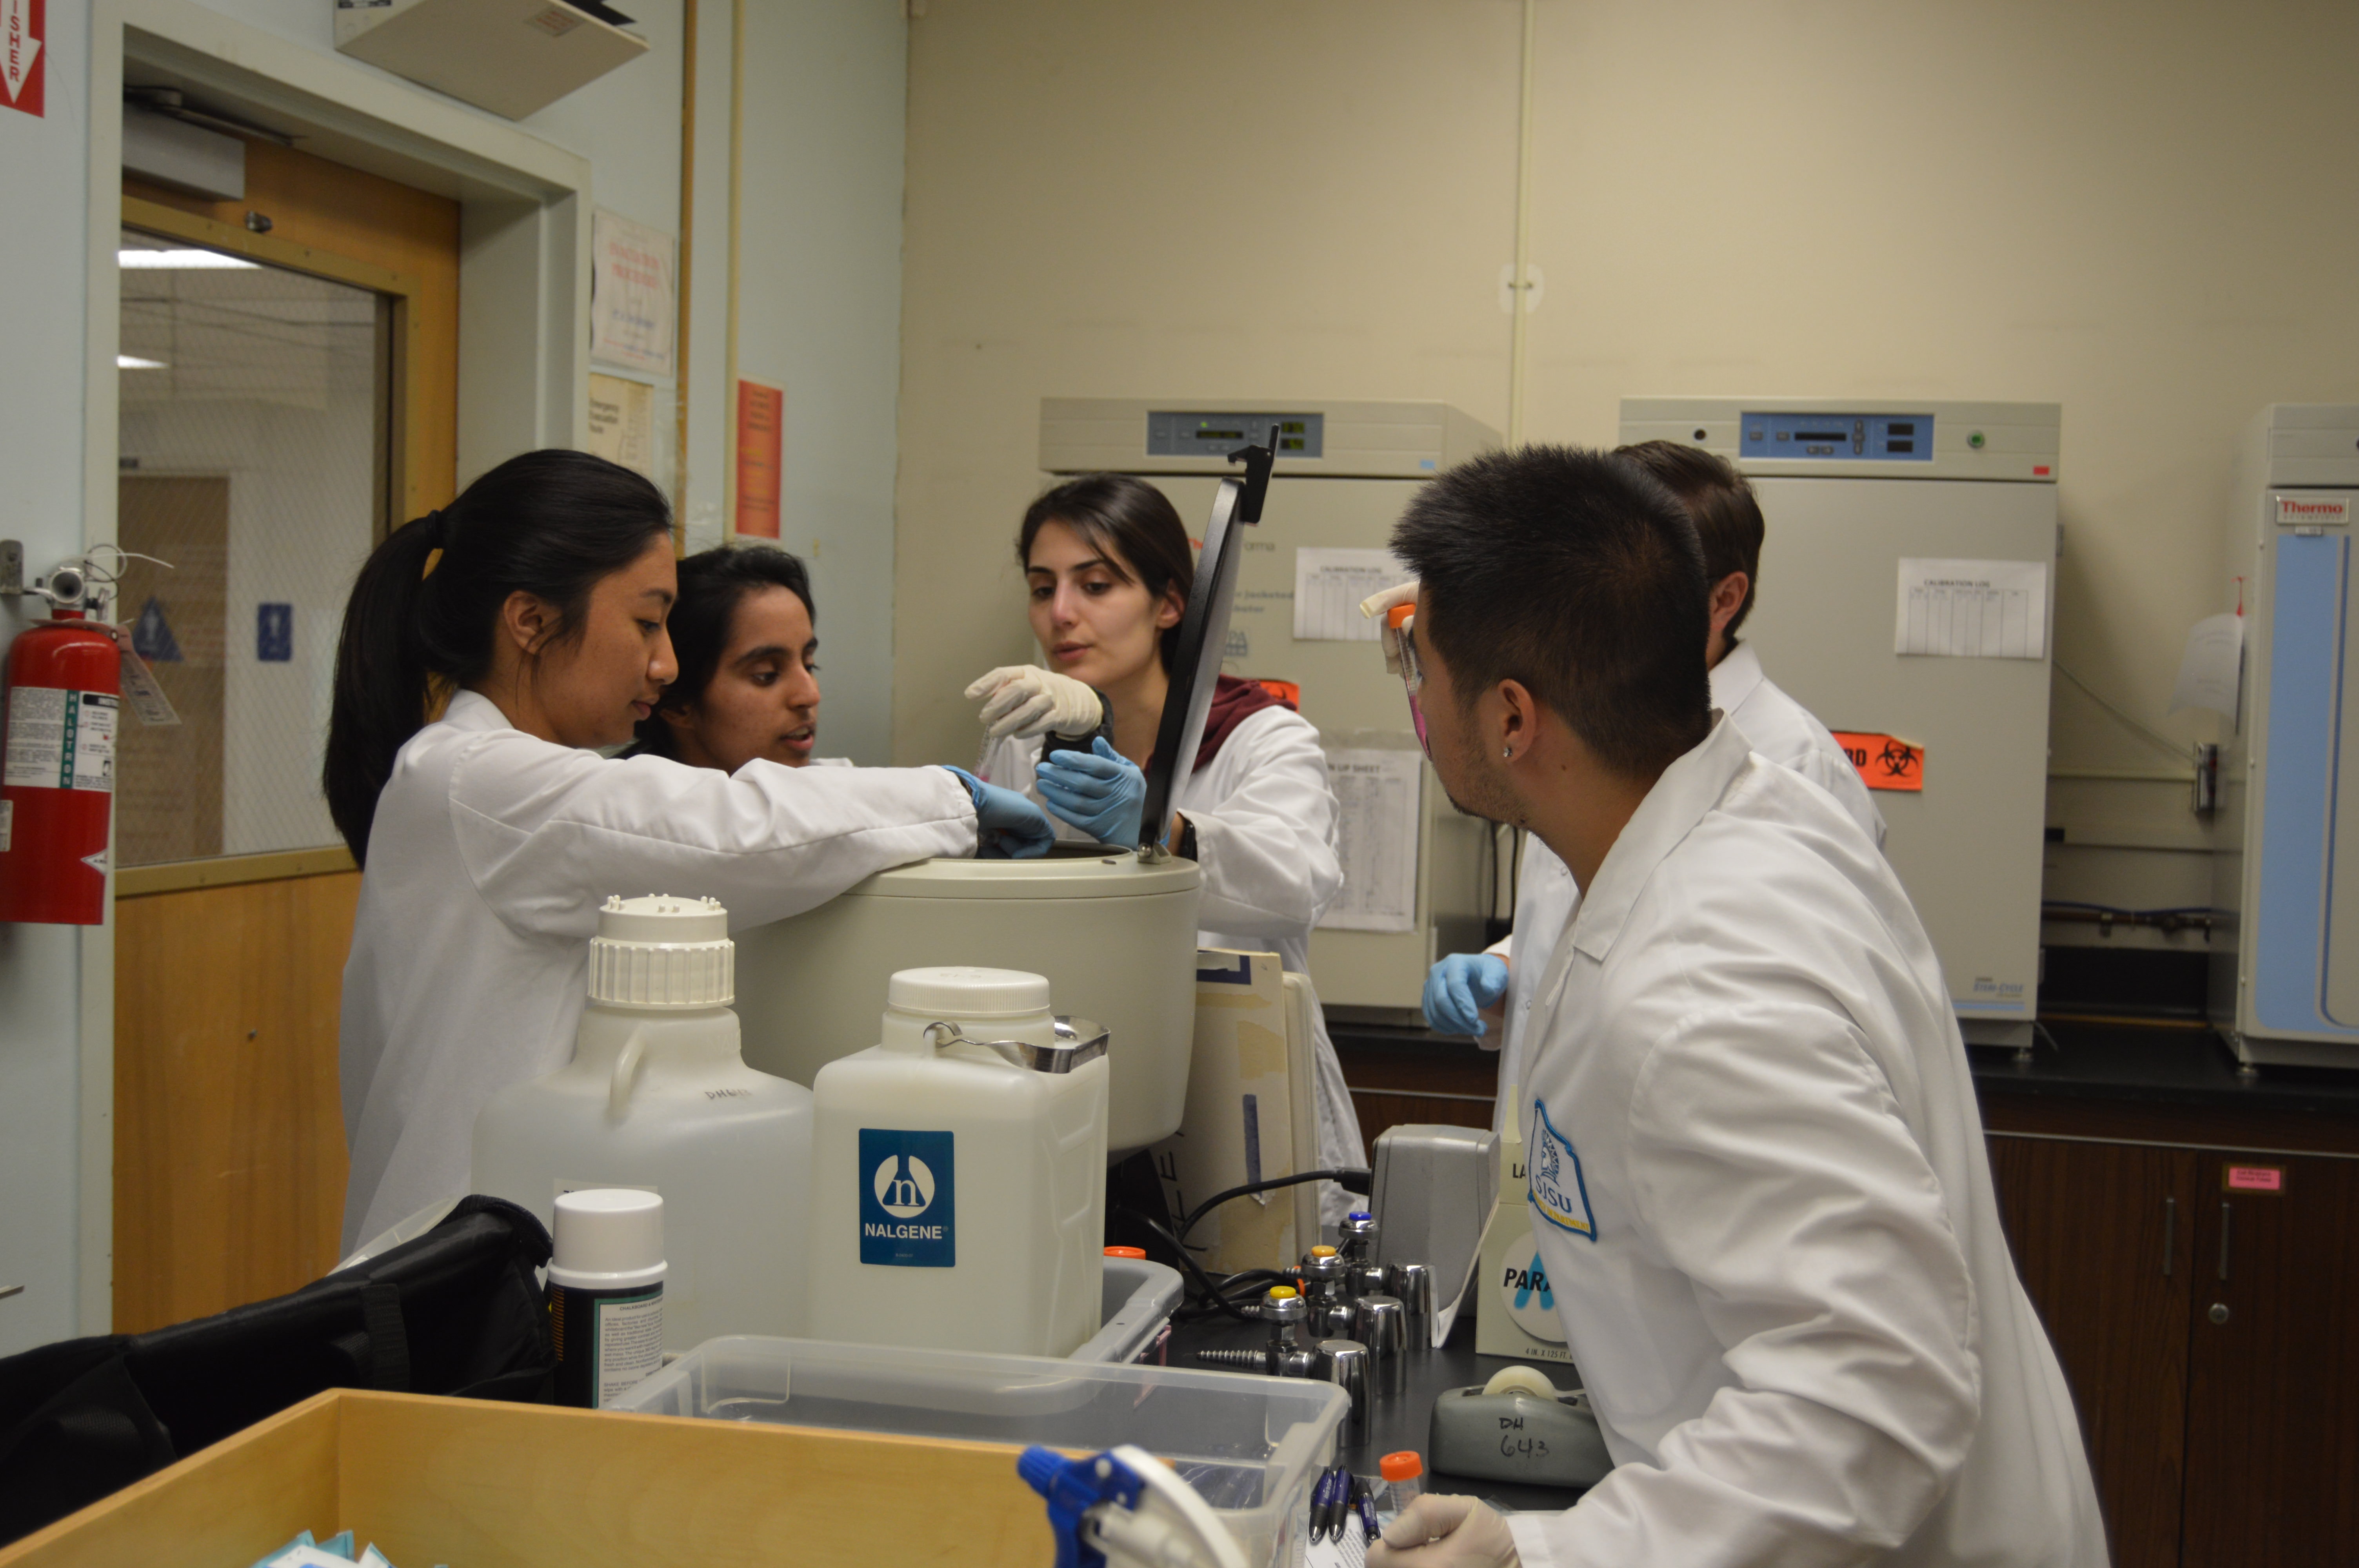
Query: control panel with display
1180	435
1874	437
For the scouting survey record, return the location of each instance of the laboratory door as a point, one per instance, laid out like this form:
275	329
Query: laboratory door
288	382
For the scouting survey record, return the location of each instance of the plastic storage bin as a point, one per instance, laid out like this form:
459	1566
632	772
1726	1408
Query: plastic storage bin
1136	1300
1250	1445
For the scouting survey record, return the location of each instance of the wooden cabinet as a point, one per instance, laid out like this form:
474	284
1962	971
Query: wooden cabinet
2273	1365
2205	1303
2104	1239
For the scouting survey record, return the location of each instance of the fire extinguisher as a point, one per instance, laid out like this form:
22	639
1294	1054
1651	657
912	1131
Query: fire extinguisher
65	686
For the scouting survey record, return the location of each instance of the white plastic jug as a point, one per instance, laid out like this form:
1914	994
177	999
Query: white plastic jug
958	1186
658	1097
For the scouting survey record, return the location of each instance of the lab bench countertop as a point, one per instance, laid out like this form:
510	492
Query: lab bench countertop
1404	1420
2174	1079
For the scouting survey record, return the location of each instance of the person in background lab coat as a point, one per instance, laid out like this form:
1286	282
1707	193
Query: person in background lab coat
748	683
1727	517
1758	1185
487	649
1109	570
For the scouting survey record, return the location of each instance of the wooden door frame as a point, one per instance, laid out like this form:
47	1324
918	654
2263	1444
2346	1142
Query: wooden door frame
406	480
524	208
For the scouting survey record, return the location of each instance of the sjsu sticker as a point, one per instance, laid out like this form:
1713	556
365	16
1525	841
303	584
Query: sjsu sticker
1560	1194
908	1199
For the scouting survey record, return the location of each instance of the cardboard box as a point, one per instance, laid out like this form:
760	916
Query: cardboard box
479	1485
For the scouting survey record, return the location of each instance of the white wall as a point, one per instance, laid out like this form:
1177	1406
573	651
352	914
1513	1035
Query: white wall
42	170
2144	214
820	315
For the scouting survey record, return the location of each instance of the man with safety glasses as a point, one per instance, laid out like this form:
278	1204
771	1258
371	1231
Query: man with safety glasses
1772	1238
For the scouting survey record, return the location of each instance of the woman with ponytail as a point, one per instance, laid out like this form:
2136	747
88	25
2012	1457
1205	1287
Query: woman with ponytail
491	652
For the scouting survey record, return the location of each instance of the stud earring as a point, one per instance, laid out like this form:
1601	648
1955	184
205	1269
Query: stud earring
1508	753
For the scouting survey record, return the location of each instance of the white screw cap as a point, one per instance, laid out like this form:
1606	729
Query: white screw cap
963	991
663	952
607	1235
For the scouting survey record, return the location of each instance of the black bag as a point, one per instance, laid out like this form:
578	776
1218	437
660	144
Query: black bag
455	1311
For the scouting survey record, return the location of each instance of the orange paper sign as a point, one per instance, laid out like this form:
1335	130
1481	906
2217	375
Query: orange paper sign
761	456
1885	762
2254	1179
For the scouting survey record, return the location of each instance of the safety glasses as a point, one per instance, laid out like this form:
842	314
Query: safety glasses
1400	618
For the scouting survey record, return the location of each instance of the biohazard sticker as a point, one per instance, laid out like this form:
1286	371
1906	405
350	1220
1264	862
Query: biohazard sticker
1560	1191
1885	762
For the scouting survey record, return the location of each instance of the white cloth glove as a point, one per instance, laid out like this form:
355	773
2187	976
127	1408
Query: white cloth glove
1025	701
1374	607
1438	1531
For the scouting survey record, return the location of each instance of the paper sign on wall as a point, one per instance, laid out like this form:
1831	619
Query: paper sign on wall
761	457
634	294
623	422
1971	610
1885	762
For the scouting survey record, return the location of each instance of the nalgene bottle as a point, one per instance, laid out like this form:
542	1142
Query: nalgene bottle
958	1186
657	1098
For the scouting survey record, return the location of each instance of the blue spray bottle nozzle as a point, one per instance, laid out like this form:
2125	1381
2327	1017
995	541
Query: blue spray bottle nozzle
1074	1487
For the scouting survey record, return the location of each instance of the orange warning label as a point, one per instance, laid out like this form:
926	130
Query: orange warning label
1885	762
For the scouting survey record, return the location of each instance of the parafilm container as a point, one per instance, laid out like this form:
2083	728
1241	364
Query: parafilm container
605	1292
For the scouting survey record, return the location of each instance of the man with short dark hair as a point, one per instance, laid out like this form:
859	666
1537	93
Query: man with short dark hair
1463	986
1758	1181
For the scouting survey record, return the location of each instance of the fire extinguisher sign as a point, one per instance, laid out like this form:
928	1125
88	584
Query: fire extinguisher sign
62	740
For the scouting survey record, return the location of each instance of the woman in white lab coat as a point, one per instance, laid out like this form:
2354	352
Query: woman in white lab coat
489	650
744	631
1109	569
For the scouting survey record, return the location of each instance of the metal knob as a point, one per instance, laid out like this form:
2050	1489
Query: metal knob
1412	1283
1381	1325
1346	1366
2219	1313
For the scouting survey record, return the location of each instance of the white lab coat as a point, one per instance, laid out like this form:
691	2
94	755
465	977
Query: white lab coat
490	855
1265	818
1763	1202
1779	729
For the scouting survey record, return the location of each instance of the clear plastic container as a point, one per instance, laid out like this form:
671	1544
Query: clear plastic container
1251	1447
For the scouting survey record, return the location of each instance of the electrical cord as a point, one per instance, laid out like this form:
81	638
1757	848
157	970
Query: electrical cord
2152	736
1212	1290
1354	1178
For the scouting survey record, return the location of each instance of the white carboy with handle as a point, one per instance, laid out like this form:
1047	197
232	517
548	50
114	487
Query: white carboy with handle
658	1097
958	1189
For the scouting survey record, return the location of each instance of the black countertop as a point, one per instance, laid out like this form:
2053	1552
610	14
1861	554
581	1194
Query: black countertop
1403	1419
2157	1062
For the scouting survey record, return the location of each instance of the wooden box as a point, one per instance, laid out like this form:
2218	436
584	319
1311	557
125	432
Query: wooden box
479	1485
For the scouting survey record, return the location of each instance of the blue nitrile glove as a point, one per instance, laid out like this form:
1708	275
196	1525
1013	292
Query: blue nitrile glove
1099	791
1458	988
1006	826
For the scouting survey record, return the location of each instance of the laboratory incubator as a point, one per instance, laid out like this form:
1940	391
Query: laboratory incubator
2284	966
1414	869
1908	600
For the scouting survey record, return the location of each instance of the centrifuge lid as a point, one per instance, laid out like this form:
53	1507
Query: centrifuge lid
1067	871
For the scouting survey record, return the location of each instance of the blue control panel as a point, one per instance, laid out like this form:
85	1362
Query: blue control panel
1181	435
1869	437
